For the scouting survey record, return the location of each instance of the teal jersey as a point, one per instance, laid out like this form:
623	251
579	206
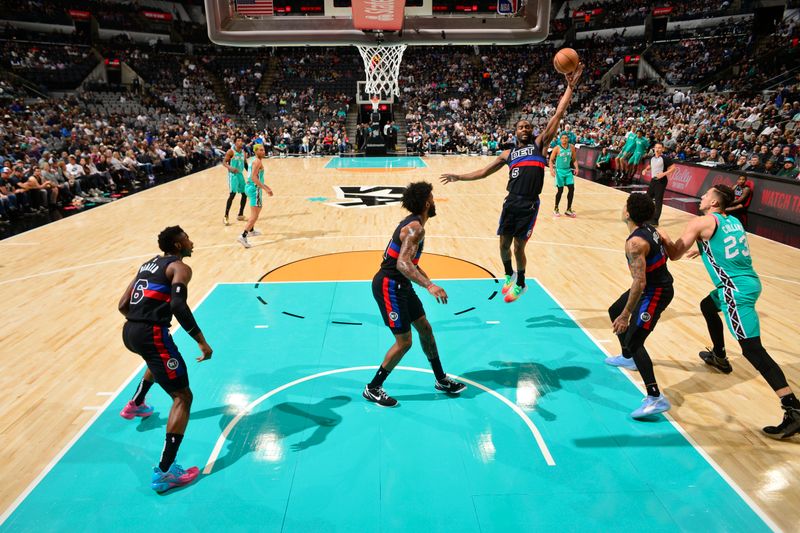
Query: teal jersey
726	256
237	162
563	159
630	141
642	144
260	171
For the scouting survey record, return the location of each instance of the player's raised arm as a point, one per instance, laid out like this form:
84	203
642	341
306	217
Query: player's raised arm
488	170
573	78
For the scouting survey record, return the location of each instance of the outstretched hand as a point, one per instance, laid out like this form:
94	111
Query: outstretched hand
573	78
620	324
206	351
438	293
448	178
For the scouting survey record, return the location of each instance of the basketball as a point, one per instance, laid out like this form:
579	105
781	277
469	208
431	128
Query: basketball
566	60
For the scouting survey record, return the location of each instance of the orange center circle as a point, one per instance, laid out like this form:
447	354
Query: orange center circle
358	266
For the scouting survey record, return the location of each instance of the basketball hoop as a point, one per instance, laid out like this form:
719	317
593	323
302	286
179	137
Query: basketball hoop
382	64
376	100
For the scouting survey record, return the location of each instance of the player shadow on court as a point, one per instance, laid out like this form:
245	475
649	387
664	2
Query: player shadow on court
588	214
704	378
262	432
507	375
603	322
456	324
372	319
461	324
283	216
513	374
671	439
288	236
155	421
550	321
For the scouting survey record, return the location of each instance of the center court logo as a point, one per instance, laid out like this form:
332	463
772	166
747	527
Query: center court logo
172	364
367	195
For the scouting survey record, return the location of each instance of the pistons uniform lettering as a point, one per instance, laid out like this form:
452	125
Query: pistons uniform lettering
526	171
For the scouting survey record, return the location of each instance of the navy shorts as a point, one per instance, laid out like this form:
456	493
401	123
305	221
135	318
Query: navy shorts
155	345
518	216
397	301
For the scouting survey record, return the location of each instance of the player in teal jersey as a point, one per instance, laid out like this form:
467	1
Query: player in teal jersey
566	131
640	147
722	243
253	187
235	163
625	152
563	161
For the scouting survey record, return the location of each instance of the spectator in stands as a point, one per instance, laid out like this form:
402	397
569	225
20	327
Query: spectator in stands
753	165
788	171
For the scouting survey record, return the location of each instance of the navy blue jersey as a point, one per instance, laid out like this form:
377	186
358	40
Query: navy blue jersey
152	291
392	252
526	171
656	272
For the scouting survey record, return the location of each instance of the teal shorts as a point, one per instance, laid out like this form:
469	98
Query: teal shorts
739	307
625	154
236	183
564	178
636	158
254	194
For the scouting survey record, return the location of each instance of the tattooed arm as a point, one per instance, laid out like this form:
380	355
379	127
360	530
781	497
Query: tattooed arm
410	237
636	250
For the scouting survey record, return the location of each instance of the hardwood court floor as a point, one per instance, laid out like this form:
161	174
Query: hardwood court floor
59	285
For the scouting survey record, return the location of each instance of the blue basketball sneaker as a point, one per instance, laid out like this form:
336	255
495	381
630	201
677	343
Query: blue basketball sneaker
174	477
651	405
621	361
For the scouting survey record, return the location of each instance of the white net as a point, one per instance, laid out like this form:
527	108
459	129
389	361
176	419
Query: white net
382	64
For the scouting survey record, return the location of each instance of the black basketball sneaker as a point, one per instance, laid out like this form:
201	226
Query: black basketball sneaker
449	386
788	428
720	363
379	396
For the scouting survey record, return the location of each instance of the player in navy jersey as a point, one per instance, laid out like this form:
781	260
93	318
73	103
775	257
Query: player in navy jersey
526	164
398	303
156	294
636	312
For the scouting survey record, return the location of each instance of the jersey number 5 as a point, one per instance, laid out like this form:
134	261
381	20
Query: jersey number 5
731	250
138	290
514	173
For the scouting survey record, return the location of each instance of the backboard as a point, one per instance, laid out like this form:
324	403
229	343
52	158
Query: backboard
413	22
